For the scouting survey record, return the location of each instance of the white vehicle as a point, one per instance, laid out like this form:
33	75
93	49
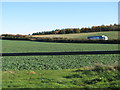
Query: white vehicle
103	37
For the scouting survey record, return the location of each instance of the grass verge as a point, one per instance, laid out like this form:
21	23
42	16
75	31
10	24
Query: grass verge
99	76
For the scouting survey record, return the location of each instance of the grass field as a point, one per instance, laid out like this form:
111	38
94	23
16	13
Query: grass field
110	34
105	77
9	46
64	71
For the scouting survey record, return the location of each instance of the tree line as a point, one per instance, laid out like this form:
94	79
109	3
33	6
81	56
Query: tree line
114	27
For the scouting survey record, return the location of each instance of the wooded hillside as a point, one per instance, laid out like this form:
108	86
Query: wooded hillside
110	27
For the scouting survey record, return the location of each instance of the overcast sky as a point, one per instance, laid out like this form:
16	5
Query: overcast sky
29	17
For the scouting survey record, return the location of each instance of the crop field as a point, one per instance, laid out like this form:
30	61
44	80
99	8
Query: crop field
63	71
56	62
14	46
110	34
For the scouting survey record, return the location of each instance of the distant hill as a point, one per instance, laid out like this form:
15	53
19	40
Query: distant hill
110	34
101	28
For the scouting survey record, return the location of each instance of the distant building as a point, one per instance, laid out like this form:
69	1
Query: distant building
103	37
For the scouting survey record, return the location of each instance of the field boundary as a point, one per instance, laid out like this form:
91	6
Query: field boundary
60	53
64	40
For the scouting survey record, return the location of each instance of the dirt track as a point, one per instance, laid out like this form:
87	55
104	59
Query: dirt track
60	53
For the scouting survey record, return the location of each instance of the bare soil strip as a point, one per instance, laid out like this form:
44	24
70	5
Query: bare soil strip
60	53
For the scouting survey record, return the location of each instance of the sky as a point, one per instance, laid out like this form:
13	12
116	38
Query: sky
30	17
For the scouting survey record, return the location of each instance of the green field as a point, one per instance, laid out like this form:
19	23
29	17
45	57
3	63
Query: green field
56	62
63	71
110	34
9	46
65	78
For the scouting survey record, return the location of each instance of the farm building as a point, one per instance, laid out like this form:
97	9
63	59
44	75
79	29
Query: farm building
103	37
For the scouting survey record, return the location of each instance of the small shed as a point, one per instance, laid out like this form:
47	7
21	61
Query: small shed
103	37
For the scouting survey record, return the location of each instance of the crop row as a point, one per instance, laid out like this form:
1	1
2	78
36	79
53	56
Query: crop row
55	62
